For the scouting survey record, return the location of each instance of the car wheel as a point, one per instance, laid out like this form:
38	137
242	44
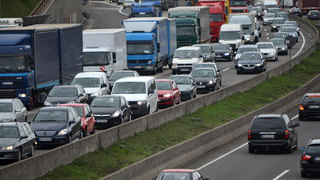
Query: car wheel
85	133
93	130
238	72
19	158
174	102
191	95
122	120
26	119
289	149
303	173
250	149
32	153
170	66
70	139
195	95
301	118
179	100
81	134
130	117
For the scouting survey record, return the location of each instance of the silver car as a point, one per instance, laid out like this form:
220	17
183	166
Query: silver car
12	110
268	50
267	18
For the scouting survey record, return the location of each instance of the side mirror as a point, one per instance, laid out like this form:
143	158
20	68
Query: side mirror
296	124
176	89
72	121
104	85
23	137
303	148
18	110
242	38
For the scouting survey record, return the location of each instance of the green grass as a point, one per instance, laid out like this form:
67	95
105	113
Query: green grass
17	8
125	152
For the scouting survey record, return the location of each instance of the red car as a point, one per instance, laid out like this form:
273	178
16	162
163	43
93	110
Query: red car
172	174
87	118
168	92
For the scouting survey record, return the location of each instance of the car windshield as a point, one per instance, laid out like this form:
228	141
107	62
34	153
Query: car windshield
105	102
205	49
278	21
13	64
96	58
51	115
186	54
273	10
265	46
118	75
175	176
6	107
139	48
240	20
238	2
263	124
280	35
163	85
246	49
277	41
215	18
79	110
282	15
311	99
185	31
87	82
129	88
9	132
221	47
202	73
181	79
313	149
288	30
270	15
229	35
63	92
250	56
207	65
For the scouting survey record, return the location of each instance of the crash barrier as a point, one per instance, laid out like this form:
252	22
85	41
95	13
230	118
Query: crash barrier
41	7
40	165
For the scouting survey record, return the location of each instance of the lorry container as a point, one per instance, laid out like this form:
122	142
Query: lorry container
35	58
307	5
144	10
192	24
104	50
148	43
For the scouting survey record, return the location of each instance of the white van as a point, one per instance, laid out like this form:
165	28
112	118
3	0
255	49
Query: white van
231	34
269	4
94	83
140	92
184	58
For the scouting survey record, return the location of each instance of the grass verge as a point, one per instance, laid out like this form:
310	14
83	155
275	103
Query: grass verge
17	8
128	151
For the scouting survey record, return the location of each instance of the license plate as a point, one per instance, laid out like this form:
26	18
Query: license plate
201	86
138	67
249	67
314	107
267	136
101	121
7	83
142	13
45	139
184	70
317	158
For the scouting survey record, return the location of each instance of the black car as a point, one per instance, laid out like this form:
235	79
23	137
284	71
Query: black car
272	131
110	110
310	158
251	62
296	11
187	86
286	36
56	125
309	106
209	65
206	79
222	52
121	74
313	15
16	141
281	45
66	94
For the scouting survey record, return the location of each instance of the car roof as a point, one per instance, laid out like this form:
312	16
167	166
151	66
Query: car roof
205	68
125	71
198	45
188	48
248	46
6	100
264	43
111	96
55	108
314	141
312	94
11	123
269	115
181	75
212	63
276	39
135	79
180	170
165	80
73	104
90	74
67	86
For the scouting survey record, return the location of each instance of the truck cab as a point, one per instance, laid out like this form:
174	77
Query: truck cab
231	34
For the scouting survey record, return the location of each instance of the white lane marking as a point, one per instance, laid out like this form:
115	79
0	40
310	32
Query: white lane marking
265	30
295	117
226	69
303	43
282	174
120	10
217	159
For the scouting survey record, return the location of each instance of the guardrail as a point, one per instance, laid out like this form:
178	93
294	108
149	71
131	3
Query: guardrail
39	165
41	7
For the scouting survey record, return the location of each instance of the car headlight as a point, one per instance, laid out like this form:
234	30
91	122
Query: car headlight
248	38
46	103
23	95
274	26
167	95
258	64
294	35
239	65
95	94
149	62
116	114
63	132
139	102
8	148
271	53
283	48
226	54
210	82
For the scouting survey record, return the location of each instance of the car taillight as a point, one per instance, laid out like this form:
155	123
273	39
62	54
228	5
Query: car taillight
305	157
249	134
301	107
286	134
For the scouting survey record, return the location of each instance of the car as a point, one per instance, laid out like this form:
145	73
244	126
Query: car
283	14
251	62
17	141
274	10
309	106
63	94
296	11
206	79
209	65
286	37
177	174
121	74
241	50
294	24
276	23
110	110
94	83
222	52
184	58
54	126
313	15
267	18
87	118
268	50
12	110
272	132
168	92
281	45
258	28
309	161
291	31
207	52
257	11
187	86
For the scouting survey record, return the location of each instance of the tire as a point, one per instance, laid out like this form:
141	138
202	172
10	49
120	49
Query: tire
130	118
154	72
70	139
289	149
26	119
32	152
251	149
179	100
81	134
19	158
238	72
121	120
170	66
174	102
301	118
303	174
93	130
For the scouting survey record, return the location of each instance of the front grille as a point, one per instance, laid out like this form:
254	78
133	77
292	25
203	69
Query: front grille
238	11
250	65
45	133
7	93
133	103
160	95
265	53
138	61
101	117
11	81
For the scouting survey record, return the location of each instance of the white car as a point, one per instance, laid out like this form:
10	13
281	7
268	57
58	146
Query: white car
268	50
12	110
184	58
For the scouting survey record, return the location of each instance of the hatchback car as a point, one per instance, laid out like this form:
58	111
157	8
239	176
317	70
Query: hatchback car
12	110
242	49
110	110
168	92
187	86
206	79
66	94
276	23
310	158
222	52
309	106
281	45
313	15
272	131
121	74
87	118
56	125
207	52
251	62
209	65
177	174
268	50
267	18
16	141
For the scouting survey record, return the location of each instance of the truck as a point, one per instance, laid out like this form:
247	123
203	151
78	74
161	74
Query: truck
287	3
238	6
104	50
149	42
144	10
11	22
35	58
308	5
192	24
232	35
217	16
248	21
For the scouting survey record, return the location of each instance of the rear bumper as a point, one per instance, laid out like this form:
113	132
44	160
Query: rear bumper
307	114
312	168
277	144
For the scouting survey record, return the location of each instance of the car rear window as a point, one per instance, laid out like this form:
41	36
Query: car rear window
263	124
313	149
311	99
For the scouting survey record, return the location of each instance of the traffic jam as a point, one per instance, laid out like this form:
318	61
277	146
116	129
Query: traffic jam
94	79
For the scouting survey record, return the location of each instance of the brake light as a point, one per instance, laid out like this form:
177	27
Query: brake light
249	134
305	157
286	134
301	107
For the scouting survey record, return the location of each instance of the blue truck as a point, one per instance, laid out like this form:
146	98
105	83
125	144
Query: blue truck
144	10
149	46
35	58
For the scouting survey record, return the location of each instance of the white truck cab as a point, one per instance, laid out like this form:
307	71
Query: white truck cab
231	34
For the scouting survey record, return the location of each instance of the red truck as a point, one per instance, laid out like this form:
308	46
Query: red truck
308	5
217	16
